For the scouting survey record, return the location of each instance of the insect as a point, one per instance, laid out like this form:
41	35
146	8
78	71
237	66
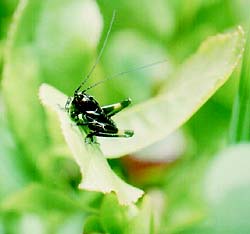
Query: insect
87	113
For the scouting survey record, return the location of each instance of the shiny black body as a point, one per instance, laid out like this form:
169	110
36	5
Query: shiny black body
86	112
89	115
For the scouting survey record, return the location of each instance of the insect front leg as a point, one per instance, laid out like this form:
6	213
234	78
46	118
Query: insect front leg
112	109
67	104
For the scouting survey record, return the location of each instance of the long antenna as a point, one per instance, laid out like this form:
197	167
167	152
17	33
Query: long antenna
100	54
125	72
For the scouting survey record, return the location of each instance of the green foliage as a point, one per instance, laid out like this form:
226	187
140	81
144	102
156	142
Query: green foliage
93	166
56	42
114	218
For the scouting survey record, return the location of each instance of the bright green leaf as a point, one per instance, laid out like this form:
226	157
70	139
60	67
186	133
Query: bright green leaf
113	216
192	85
97	175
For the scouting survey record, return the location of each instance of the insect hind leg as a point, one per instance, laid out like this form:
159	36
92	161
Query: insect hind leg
120	133
112	109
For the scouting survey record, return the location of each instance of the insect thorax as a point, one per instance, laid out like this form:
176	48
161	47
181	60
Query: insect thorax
81	104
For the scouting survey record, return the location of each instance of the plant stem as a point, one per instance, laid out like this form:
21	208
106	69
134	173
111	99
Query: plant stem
240	123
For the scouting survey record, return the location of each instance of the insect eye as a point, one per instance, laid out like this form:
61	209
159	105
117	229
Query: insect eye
79	96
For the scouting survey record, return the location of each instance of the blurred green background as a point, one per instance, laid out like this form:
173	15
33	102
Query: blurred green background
57	42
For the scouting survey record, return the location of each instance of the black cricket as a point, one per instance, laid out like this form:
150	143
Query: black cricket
86	112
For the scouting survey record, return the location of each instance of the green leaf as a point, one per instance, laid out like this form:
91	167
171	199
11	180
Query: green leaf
127	220
113	216
96	172
192	85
